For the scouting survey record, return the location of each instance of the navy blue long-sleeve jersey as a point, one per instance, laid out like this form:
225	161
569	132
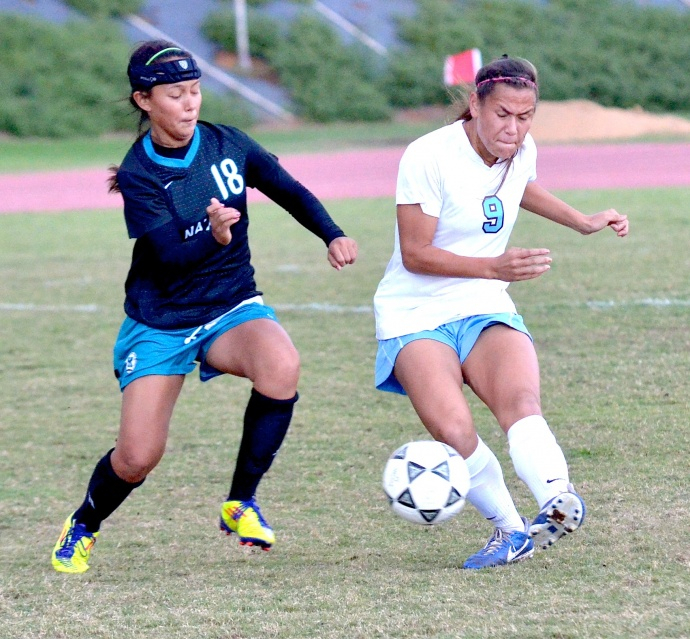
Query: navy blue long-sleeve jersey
180	276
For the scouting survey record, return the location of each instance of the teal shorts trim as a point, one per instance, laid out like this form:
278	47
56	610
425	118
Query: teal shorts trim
141	350
460	335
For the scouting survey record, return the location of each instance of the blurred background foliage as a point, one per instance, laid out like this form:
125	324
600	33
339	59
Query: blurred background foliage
105	8
613	52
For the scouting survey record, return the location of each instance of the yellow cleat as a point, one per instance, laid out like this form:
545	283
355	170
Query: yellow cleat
245	520
73	549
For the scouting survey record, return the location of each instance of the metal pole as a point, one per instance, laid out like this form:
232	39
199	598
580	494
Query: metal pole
242	35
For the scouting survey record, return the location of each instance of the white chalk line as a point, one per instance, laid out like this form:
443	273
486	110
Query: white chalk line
51	308
324	308
655	302
317	307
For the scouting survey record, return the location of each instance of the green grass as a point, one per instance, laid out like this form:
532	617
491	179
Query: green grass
332	137
18	155
53	155
610	322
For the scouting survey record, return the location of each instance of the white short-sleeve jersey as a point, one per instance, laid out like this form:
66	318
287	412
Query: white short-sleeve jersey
443	173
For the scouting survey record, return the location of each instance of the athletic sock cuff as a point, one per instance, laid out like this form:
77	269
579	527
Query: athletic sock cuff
114	477
257	396
528	427
478	460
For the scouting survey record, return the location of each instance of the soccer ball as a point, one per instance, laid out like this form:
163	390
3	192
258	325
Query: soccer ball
426	482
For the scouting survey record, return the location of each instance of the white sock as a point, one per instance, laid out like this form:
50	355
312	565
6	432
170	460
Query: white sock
538	459
488	492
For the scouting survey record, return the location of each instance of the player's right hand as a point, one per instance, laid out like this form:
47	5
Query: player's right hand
221	219
518	264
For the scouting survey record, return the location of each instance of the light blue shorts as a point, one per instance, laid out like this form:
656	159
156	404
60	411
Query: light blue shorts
141	350
460	335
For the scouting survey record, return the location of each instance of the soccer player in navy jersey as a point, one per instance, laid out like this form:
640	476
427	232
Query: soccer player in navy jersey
190	295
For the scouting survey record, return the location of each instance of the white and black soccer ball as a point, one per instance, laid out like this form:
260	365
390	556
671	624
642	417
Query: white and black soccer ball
426	482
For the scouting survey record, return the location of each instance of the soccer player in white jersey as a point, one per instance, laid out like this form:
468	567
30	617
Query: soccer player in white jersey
444	318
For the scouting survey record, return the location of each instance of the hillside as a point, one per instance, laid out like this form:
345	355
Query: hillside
370	23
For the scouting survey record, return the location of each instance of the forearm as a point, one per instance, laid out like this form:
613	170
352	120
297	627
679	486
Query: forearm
416	231
309	212
277	184
419	254
539	201
431	260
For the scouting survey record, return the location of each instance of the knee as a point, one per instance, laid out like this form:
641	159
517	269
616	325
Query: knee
528	403
457	424
286	374
454	427
280	377
133	464
524	404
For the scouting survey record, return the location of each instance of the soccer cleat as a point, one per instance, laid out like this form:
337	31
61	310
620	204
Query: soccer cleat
73	549
502	548
564	514
245	520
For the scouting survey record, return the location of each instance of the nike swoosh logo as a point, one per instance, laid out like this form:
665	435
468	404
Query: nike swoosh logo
168	184
550	481
514	553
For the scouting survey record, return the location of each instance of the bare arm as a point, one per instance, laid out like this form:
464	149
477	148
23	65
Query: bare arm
540	201
420	256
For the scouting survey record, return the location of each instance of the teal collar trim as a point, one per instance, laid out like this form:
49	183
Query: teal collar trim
174	163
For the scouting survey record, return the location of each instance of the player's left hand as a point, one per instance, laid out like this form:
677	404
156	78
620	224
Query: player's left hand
342	251
612	218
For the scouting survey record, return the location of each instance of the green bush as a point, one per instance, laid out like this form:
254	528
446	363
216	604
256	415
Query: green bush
414	79
615	53
263	32
329	81
58	90
225	110
106	8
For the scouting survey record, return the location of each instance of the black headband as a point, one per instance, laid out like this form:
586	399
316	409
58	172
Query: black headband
143	77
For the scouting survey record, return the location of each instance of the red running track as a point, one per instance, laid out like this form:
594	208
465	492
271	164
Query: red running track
372	173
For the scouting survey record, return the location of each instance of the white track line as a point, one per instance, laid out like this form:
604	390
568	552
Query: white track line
318	307
51	308
660	302
323	308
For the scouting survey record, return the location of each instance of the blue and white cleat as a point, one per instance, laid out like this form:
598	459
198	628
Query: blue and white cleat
564	514
502	548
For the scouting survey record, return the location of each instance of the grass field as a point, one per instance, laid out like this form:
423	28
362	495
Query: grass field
18	155
611	326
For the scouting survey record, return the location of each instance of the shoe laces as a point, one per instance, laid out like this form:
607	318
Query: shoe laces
72	538
494	544
246	505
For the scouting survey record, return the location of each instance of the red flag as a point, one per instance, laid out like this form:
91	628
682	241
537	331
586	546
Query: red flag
462	68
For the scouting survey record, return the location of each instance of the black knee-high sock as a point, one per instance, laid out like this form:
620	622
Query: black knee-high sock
266	422
106	491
